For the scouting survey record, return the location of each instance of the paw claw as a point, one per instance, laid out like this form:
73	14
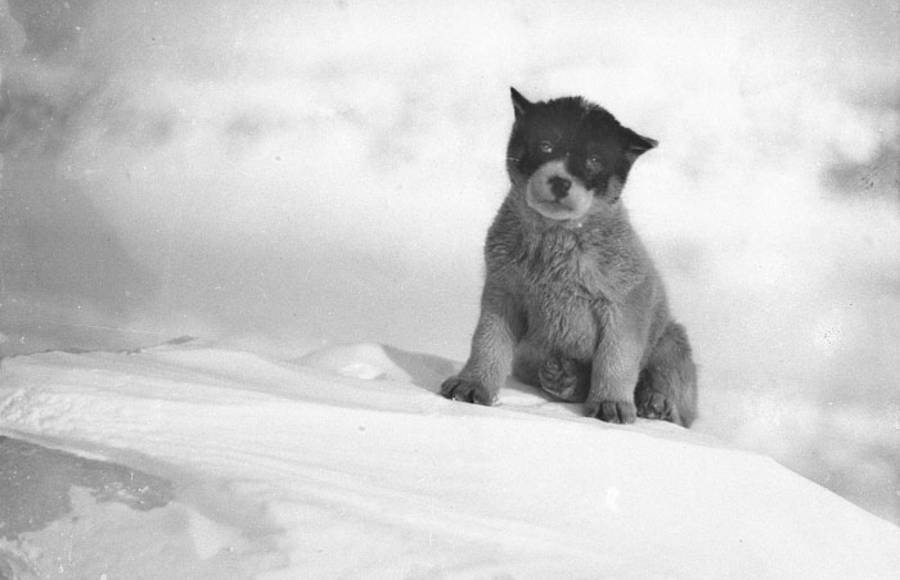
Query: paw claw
458	389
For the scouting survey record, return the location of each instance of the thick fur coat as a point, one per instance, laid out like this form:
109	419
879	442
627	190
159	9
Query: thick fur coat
572	302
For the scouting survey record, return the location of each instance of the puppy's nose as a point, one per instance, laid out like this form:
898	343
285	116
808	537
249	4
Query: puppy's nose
559	186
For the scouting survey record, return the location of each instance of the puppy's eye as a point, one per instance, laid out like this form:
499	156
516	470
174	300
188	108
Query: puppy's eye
546	147
594	163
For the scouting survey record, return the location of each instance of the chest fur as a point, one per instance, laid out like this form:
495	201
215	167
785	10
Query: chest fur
562	290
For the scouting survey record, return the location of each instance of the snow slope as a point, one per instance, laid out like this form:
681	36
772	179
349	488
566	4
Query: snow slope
345	463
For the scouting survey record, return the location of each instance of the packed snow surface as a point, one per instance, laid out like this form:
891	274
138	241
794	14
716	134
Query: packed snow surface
346	463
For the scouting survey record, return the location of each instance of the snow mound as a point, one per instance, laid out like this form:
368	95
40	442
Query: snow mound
378	361
345	463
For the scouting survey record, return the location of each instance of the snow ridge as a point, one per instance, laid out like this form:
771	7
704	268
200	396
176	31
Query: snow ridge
356	467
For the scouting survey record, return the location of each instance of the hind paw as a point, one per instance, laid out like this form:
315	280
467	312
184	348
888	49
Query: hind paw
655	405
559	377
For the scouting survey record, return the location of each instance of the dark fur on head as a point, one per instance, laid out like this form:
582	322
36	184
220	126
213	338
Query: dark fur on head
593	144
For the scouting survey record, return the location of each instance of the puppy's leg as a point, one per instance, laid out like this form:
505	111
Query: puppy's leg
615	367
499	328
527	363
667	387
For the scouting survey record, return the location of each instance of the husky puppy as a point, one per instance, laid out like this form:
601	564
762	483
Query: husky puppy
572	303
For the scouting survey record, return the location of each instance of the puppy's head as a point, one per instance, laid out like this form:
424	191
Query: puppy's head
569	157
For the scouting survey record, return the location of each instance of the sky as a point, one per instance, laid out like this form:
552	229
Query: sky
284	175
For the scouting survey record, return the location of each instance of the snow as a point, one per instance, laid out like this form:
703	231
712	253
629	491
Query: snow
341	465
280	178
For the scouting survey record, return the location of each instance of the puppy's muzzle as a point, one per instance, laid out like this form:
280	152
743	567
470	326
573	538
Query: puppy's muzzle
559	186
556	194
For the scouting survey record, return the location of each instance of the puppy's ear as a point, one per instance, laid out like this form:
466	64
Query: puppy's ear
635	144
521	105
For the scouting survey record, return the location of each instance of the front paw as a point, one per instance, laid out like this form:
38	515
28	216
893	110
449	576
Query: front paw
612	411
465	390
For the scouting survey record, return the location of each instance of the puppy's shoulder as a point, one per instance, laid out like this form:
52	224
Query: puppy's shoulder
618	254
505	239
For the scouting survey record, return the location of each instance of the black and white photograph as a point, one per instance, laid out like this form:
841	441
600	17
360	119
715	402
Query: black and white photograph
508	290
